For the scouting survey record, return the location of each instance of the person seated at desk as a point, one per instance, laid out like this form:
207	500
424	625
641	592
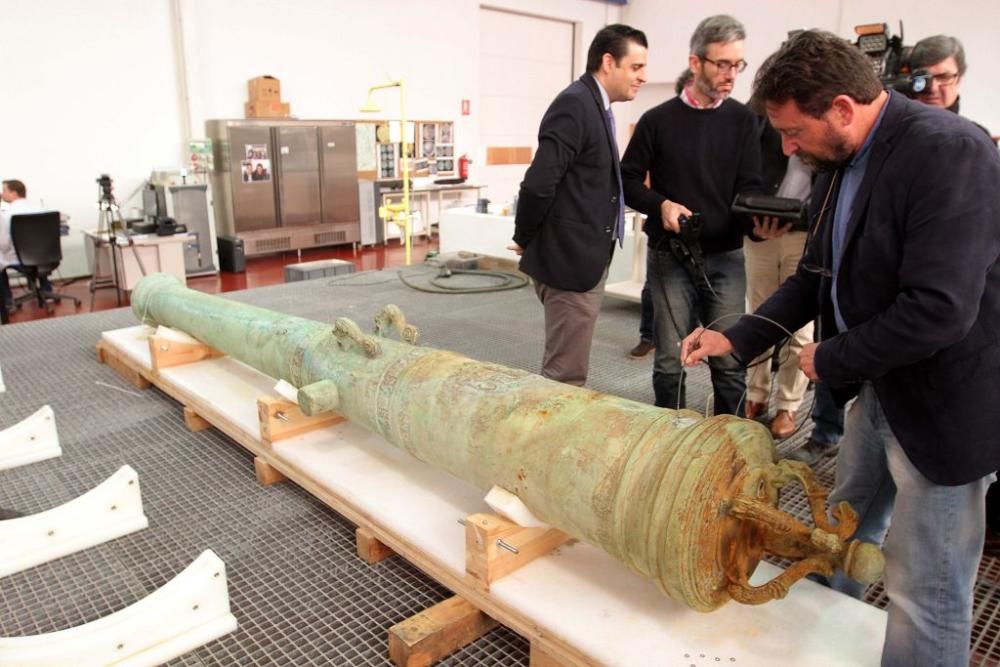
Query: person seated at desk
14	194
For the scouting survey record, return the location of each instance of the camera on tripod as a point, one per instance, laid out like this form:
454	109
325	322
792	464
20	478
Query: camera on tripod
891	59
106	194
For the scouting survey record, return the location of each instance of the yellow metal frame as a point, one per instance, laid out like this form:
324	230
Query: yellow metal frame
398	214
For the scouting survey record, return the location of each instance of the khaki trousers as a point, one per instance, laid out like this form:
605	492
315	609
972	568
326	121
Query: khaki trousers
770	263
570	318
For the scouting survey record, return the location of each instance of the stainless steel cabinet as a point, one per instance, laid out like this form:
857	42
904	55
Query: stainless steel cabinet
339	160
298	175
285	185
253	201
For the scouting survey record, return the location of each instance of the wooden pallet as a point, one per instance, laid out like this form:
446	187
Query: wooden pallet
575	604
496	547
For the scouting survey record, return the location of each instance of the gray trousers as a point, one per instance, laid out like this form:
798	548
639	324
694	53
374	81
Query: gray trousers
570	318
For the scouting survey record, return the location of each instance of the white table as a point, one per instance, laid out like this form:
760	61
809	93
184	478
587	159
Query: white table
135	256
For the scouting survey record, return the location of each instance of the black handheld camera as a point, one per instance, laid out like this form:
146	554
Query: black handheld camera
686	249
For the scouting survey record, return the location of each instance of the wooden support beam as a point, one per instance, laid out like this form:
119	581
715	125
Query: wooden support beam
495	547
437	632
107	356
539	657
194	421
164	352
266	473
280	419
370	548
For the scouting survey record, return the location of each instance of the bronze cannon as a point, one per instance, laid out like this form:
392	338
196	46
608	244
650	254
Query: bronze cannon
686	500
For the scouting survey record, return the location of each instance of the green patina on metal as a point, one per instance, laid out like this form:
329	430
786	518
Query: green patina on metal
686	500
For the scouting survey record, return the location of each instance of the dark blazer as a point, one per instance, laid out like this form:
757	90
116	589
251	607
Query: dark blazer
773	161
918	287
568	203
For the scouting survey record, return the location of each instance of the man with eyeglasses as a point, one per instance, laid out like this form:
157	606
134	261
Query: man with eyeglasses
943	58
902	273
700	149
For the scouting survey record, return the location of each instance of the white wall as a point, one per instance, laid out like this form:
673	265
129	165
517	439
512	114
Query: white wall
88	88
509	110
975	22
94	87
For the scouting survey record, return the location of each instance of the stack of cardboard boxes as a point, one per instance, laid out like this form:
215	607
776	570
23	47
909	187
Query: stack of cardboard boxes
265	99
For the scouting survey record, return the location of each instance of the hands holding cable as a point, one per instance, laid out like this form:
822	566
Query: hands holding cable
703	343
671	213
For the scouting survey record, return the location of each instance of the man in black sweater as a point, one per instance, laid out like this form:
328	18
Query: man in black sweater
700	149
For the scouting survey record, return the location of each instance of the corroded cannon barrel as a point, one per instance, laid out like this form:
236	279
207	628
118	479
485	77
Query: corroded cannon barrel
688	501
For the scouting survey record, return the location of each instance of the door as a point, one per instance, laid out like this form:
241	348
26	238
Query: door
251	171
515	92
340	172
298	175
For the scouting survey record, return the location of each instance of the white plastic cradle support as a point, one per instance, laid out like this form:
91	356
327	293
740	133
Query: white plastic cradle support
32	439
109	510
187	612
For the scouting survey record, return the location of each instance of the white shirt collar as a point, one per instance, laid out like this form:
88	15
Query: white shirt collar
604	94
689	99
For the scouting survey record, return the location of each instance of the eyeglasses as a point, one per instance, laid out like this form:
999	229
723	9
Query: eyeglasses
813	228
724	65
946	78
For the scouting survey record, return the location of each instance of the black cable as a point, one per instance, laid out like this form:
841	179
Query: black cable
508	281
350	280
765	358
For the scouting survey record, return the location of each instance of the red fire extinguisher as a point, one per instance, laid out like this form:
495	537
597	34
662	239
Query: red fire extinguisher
463	166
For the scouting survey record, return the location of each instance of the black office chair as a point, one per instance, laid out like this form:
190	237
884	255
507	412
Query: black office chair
35	237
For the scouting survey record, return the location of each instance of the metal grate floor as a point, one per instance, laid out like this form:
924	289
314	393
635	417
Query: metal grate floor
297	588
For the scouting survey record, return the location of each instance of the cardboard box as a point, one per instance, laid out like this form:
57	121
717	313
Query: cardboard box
264	88
261	109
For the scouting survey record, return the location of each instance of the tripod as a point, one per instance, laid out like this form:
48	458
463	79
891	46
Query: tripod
109	225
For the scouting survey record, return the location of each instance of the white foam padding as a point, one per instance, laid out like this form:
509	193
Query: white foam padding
176	335
109	510
190	610
34	438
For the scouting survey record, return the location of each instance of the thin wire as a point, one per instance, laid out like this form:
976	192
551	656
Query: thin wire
813	228
788	334
350	280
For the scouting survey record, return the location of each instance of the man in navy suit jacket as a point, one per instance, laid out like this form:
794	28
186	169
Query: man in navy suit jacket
902	273
570	209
